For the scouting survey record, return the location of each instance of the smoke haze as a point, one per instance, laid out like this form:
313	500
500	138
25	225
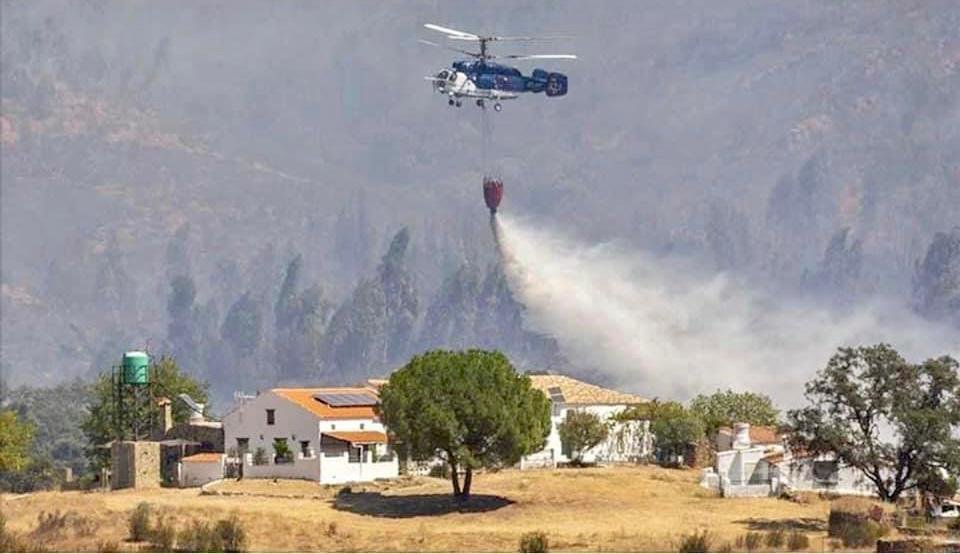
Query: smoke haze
662	328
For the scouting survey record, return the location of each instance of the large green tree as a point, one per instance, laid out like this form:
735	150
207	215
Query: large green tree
140	414
724	408
470	408
672	425
580	431
15	440
894	421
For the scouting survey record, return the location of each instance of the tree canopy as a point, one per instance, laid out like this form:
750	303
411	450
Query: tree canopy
470	408
15	440
673	426
724	408
580	431
169	380
894	421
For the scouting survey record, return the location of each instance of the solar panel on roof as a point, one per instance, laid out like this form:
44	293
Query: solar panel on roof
556	394
344	399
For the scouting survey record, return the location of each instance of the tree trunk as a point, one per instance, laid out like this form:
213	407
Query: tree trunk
455	477
467	480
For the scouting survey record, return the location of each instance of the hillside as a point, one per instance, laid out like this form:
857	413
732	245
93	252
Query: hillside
811	149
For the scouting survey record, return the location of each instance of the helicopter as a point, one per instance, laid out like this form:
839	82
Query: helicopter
480	79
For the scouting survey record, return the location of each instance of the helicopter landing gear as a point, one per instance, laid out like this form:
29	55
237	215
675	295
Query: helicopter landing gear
480	103
497	107
458	103
450	102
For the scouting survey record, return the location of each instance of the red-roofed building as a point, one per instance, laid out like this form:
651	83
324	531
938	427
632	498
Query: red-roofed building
330	435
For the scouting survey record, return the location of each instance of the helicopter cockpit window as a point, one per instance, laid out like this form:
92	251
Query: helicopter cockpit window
442	74
452	77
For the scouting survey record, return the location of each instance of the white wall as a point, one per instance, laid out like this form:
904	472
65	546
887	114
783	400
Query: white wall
798	474
290	421
623	443
195	474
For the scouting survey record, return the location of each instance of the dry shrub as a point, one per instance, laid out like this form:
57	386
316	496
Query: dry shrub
695	542
858	522
162	536
749	542
534	541
331	529
232	535
725	547
108	546
226	535
798	541
51	524
139	522
775	538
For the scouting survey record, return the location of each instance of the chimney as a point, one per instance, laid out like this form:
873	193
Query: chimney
741	436
167	422
197	415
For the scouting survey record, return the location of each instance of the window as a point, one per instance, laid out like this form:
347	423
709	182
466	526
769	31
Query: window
271	419
354	453
361	427
281	452
333	427
826	473
243	445
305	448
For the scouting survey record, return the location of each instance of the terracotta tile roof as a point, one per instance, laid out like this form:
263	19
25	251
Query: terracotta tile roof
205	457
358	437
773	458
304	398
578	392
759	434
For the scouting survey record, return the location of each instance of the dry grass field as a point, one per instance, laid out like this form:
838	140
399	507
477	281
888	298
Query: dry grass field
612	509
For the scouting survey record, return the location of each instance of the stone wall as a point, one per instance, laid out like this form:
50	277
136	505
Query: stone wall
135	464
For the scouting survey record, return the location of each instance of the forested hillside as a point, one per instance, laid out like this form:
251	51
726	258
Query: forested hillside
280	197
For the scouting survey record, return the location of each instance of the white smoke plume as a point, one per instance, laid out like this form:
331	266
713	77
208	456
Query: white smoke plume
660	329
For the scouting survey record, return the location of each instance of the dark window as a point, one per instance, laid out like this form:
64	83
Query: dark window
826	473
361	427
270	417
243	445
305	448
354	457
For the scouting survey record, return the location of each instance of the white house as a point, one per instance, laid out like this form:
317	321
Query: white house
329	435
626	441
755	462
201	468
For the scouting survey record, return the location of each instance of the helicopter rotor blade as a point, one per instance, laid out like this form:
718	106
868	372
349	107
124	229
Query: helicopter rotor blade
467	52
452	33
537	57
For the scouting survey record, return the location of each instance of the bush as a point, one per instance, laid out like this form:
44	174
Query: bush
857	522
139	522
108	546
260	457
50	524
797	541
331	529
955	525
162	536
725	547
534	541
749	542
860	535
226	535
775	538
232	535
695	542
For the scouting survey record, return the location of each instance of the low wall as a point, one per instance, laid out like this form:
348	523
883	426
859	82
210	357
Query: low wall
301	468
741	491
339	470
